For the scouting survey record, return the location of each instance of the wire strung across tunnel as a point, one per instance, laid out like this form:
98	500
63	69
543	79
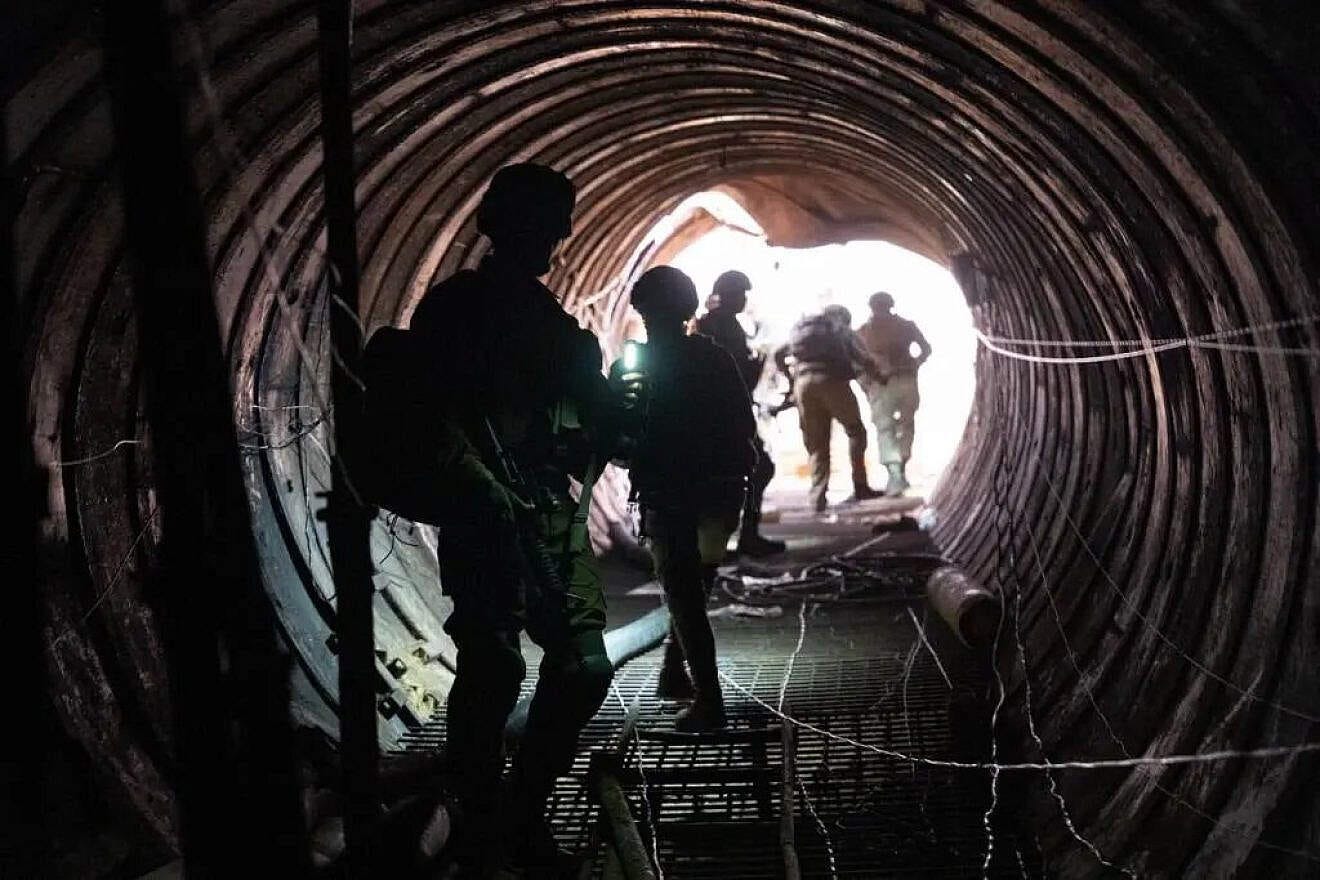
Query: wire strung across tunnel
1142	763
806	587
1007	540
1108	725
1144	347
1264	753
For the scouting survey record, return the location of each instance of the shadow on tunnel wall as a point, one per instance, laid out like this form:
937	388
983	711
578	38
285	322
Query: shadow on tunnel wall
1133	170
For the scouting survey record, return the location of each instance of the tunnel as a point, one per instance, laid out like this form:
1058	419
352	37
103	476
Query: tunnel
1128	193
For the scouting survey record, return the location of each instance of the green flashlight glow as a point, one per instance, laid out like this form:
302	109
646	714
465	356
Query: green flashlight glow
632	355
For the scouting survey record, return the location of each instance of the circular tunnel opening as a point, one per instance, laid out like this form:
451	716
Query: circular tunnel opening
1122	192
790	283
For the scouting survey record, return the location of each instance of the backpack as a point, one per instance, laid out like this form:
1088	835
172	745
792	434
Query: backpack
815	340
700	430
396	448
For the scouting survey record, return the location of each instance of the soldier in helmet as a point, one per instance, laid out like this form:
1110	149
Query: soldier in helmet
720	323
689	473
515	380
890	339
826	355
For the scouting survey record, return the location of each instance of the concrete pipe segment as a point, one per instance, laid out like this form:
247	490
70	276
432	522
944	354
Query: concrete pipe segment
1129	170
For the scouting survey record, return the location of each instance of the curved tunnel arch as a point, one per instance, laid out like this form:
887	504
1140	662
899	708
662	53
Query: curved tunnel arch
1106	185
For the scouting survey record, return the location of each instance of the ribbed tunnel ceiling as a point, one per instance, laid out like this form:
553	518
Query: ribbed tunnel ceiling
1123	170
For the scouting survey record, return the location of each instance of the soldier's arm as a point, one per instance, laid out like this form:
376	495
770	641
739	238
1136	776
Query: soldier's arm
608	405
460	462
864	361
733	389
781	356
727	379
735	341
584	381
920	339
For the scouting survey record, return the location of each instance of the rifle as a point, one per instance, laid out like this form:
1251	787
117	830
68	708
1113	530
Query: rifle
541	565
786	403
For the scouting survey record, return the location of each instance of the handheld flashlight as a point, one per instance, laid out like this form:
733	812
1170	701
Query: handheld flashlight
632	356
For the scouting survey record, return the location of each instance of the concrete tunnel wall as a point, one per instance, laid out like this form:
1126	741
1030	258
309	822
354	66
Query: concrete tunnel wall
1135	169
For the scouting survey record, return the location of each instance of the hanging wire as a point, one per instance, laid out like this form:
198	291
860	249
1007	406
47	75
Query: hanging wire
1108	726
1150	625
68	463
116	577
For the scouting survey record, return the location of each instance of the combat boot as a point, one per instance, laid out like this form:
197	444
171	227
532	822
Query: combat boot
532	848
750	540
705	714
674	684
537	853
476	850
863	493
754	545
898	483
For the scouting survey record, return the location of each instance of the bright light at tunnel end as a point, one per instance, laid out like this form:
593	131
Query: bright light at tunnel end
789	283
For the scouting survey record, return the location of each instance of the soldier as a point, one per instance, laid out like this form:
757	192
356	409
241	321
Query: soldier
894	403
720	323
522	405
689	473
826	356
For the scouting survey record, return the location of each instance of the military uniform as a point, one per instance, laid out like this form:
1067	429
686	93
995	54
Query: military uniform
827	360
722	326
688	475
894	403
504	354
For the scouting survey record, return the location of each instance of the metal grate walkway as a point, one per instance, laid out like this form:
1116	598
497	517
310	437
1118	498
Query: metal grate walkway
712	810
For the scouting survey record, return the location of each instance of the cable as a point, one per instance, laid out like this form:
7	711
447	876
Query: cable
647	683
792	658
1283	324
1091	359
1144	347
879	577
1146	622
1212	757
1113	735
921	634
1051	780
98	456
114	579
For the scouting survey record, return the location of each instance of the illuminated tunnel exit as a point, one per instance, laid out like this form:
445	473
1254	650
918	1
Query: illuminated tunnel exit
790	283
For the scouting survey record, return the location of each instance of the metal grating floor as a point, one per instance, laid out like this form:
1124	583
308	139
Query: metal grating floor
862	674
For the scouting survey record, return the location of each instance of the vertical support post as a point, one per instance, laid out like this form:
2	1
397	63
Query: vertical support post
348	518
20	607
239	806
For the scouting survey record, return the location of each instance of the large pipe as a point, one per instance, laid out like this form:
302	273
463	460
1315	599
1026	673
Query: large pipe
622	643
970	610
